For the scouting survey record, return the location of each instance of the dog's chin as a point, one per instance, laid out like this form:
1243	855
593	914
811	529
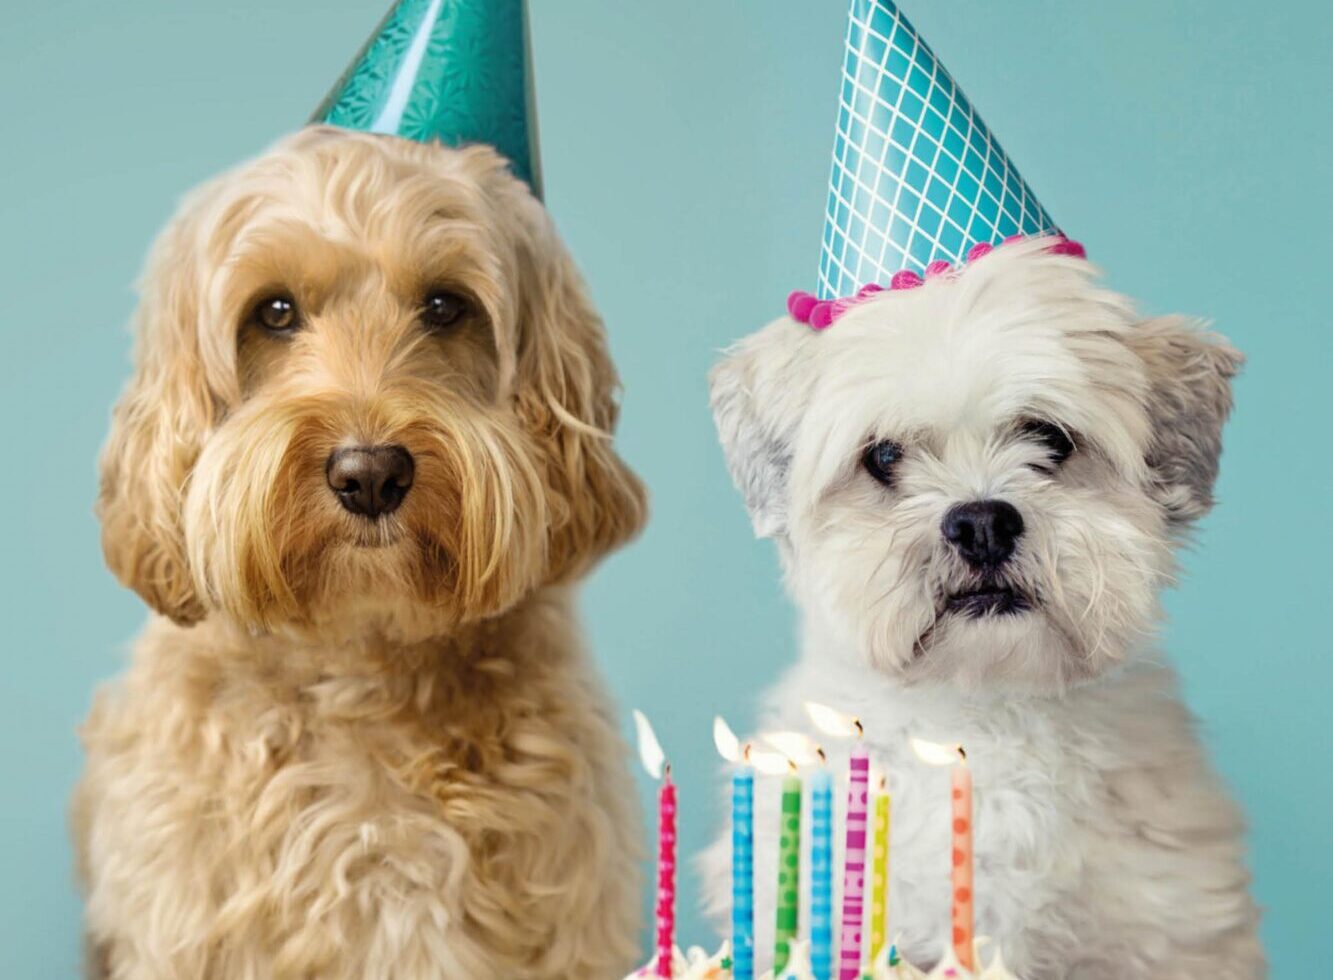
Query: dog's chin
978	601
348	580
371	540
369	578
996	639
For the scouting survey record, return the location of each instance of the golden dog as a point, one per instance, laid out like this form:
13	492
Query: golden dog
365	450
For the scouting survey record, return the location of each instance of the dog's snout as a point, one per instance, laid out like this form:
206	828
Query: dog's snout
985	532
370	480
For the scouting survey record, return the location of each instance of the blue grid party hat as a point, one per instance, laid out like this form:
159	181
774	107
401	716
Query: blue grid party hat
917	177
457	71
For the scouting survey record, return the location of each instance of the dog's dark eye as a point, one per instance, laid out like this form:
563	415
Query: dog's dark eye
443	309
278	314
1057	442
879	459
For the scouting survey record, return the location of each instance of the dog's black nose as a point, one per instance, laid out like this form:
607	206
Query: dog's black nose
985	532
370	480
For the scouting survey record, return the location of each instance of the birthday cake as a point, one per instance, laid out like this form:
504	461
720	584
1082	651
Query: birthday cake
697	964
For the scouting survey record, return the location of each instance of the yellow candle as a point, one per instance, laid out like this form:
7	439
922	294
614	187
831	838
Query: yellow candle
879	894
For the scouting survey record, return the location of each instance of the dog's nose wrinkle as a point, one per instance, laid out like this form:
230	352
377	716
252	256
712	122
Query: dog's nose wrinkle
370	480
984	532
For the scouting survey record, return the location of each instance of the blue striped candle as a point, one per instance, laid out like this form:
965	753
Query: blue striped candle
821	875
742	873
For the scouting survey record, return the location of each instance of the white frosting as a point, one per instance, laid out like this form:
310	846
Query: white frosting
881	969
798	964
997	970
696	964
948	968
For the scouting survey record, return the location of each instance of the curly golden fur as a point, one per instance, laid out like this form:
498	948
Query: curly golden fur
353	748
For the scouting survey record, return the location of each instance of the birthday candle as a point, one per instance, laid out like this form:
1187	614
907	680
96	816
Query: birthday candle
789	871
821	875
742	874
962	862
960	830
879	895
854	865
834	722
654	761
742	850
666	874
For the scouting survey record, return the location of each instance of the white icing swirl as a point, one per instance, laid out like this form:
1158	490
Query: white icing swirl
696	964
798	964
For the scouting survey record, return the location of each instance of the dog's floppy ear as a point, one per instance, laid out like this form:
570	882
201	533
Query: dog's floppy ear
755	392
566	392
157	429
1189	398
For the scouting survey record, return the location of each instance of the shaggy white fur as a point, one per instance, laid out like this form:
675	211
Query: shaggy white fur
1105	846
354	747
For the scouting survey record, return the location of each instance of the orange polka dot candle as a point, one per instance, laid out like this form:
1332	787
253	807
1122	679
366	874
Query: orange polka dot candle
962	864
960	833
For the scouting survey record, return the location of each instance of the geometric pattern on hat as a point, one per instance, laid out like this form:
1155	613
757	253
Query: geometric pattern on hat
917	176
457	71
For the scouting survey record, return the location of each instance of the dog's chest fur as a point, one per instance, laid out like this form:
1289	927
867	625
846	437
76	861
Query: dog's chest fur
432	819
1100	830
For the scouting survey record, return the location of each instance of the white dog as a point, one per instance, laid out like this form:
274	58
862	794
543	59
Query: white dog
976	487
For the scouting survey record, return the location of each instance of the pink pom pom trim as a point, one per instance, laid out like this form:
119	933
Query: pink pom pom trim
799	305
819	314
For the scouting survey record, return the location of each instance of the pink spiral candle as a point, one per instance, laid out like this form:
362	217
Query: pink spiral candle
854	866
666	875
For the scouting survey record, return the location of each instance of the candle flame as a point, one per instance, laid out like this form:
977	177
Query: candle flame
878	778
801	749
831	721
769	763
938	754
728	745
650	749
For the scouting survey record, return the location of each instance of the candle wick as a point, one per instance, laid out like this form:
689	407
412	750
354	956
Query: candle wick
860	728
962	753
666	772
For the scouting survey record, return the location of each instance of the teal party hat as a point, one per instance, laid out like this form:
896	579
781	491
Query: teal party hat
917	177
457	71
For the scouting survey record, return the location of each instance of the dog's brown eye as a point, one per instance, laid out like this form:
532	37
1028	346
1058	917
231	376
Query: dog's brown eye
880	458
277	313
443	309
1057	442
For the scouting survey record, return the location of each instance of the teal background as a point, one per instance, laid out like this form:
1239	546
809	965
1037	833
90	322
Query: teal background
686	149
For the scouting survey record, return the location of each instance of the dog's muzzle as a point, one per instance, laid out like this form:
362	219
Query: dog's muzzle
988	600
